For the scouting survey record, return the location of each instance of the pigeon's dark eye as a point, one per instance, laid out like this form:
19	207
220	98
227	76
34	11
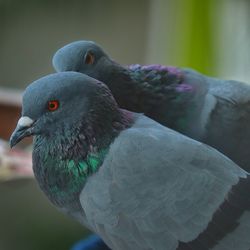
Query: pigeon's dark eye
89	58
53	105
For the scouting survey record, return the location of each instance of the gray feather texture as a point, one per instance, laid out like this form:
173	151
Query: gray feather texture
134	182
157	189
216	112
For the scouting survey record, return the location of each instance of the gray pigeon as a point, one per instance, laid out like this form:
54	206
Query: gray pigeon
207	109
134	182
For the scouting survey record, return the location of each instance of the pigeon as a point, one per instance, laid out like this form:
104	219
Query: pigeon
132	181
206	109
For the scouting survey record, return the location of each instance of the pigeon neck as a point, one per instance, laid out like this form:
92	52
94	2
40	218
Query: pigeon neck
162	93
152	90
62	164
119	81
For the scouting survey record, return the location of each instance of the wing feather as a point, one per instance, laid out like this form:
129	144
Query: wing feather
157	188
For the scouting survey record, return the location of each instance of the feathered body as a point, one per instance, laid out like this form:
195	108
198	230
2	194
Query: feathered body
206	109
216	112
63	162
145	186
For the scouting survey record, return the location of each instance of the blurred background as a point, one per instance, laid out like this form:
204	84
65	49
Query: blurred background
211	36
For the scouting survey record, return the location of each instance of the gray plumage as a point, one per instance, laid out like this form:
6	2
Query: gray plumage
207	109
134	182
171	186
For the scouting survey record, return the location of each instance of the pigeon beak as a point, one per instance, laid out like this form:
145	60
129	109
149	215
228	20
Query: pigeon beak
23	129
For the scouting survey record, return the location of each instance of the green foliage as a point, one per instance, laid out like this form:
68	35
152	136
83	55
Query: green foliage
194	46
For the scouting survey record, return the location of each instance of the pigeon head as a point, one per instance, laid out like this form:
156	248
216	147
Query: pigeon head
80	56
74	119
52	105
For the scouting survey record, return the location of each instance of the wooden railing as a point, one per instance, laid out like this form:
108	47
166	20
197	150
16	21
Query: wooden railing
10	111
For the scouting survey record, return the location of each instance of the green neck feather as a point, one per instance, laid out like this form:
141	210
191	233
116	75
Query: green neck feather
63	179
63	161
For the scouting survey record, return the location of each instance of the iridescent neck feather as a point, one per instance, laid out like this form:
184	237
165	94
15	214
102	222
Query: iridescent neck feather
63	163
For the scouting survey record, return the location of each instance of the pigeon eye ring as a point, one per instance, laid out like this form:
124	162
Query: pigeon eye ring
53	105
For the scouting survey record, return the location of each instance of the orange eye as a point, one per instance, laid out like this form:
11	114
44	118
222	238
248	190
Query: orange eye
89	58
53	105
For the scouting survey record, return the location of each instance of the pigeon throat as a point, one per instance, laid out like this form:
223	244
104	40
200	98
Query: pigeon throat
62	164
63	179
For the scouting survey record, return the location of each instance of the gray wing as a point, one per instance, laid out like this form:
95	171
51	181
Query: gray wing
225	117
228	125
158	190
234	91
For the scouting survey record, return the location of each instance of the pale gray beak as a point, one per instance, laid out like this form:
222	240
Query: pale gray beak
23	129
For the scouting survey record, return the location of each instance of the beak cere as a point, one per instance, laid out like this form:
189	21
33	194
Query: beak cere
25	121
23	129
